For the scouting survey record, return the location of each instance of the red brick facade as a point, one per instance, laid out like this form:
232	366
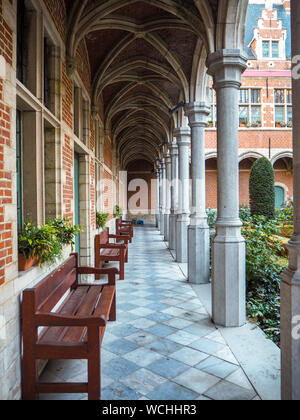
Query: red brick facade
6	251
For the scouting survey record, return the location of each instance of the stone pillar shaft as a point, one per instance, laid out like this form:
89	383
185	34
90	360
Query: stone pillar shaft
168	196
229	253
290	284
174	195
198	234
163	196
183	140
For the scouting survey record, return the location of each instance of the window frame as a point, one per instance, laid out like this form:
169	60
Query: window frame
285	105
250	104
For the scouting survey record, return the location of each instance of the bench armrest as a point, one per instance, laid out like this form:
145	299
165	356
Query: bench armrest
56	320
110	272
121	237
112	246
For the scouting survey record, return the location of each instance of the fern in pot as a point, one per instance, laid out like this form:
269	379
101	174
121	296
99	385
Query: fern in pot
38	245
101	219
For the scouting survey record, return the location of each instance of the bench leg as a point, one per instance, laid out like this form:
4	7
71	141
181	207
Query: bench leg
29	377
94	365
113	309
122	270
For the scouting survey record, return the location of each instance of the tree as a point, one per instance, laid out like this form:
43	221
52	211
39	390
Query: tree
262	189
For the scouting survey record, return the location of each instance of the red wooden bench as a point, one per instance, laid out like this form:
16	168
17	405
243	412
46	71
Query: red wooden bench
124	228
73	331
107	251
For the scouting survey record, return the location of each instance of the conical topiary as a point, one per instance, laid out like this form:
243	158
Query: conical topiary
262	189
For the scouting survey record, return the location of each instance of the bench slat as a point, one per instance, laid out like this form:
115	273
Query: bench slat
105	301
87	307
69	307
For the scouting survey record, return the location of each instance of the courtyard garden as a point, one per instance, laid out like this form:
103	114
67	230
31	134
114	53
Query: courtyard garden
267	232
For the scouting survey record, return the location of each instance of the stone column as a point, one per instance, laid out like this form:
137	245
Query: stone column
183	136
229	273
162	196
290	285
174	195
168	196
157	217
198	233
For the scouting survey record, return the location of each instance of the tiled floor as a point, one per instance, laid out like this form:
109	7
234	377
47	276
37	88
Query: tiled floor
163	346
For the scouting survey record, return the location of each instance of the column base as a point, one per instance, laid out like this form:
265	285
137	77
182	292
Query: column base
198	254
172	231
182	224
229	277
167	227
290	326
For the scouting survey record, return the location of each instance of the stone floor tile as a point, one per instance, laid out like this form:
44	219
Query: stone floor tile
217	367
189	356
119	368
119	391
197	380
143	381
161	330
226	391
172	392
207	346
182	337
142	338
167	367
143	357
121	347
164	347
178	323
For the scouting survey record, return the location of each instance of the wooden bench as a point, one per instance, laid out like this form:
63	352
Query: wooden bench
73	331
107	251
124	228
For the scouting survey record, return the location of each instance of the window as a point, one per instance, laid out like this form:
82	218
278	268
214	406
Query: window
275	49
21	43
212	119
283	108
19	171
270	49
266	49
250	108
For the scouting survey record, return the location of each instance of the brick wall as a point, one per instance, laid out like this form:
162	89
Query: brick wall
68	190
6	249
57	10
67	99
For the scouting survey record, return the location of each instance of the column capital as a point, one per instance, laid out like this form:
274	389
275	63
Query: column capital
183	135
71	66
226	67
174	149
197	113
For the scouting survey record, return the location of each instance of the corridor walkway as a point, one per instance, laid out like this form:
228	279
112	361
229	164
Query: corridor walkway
163	346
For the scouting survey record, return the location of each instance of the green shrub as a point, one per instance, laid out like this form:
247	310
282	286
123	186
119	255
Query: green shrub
118	211
65	231
101	219
40	242
262	190
264	268
211	217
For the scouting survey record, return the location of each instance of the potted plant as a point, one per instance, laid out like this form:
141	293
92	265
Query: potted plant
65	231
101	219
210	124
243	123
280	124
290	124
118	211
38	245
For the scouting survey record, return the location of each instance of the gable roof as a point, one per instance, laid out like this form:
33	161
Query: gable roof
253	14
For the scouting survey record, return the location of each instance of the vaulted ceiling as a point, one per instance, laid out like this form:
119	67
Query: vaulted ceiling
146	57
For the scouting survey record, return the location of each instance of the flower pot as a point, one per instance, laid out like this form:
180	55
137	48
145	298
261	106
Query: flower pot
25	264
